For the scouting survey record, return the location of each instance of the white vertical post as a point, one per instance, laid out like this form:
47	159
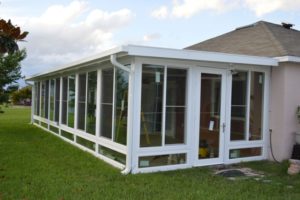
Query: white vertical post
60	101
41	83
86	100
113	104
248	106
32	102
98	106
163	131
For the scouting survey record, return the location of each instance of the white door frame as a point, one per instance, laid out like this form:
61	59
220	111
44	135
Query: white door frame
197	99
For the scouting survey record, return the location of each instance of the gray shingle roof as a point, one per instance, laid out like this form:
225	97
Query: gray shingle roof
260	39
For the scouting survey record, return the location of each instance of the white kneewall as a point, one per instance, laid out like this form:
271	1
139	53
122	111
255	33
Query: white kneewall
285	97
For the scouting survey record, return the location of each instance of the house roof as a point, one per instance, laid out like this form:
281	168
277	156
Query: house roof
259	39
155	52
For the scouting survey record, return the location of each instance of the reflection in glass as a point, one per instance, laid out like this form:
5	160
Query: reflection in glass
209	141
71	100
52	87
81	101
175	106
121	103
91	103
106	103
43	93
239	106
57	99
46	104
37	98
151	105
64	100
256	105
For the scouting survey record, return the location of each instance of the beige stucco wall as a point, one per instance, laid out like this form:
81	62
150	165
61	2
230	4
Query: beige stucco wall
284	99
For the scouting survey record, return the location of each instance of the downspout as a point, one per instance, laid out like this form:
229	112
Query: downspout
128	166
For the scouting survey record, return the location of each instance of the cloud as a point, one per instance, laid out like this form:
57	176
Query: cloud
160	13
189	8
64	33
262	7
151	37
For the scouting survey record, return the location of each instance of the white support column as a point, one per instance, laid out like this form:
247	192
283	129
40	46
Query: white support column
113	105
98	105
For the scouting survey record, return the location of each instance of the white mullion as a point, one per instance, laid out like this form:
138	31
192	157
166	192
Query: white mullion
86	100
40	114
54	98
67	118
163	131
76	101
248	105
113	104
98	105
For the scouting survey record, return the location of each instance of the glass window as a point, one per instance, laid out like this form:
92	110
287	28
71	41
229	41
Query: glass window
106	103
121	103
175	106
71	100
43	93
86	143
37	98
245	152
160	160
67	135
114	155
81	101
64	100
256	105
47	99
57	99
151	105
239	105
52	92
91	103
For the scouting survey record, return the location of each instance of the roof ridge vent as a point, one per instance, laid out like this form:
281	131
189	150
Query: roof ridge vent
287	25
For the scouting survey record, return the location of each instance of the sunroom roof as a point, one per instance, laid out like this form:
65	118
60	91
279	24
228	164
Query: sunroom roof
157	52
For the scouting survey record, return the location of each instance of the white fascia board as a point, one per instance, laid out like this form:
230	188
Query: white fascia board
288	59
199	55
79	62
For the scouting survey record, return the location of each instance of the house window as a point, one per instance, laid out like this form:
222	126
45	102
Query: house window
57	99
106	102
37	98
81	101
91	102
163	106
44	99
71	100
52	104
247	106
121	102
64	100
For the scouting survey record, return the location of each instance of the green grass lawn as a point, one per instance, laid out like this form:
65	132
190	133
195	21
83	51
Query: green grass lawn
35	164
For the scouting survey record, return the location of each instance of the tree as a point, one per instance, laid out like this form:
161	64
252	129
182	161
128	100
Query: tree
10	54
21	96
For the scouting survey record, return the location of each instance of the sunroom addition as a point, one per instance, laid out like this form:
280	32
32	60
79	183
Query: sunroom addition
145	109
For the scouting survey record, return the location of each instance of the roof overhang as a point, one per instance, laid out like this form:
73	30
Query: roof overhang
155	52
288	59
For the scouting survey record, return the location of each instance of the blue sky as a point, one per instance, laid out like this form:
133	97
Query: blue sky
67	30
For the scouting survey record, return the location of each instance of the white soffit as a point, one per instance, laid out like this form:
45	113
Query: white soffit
288	59
155	52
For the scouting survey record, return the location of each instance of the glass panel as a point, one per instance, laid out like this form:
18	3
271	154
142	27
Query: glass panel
45	125
52	87
239	106
121	104
151	105
114	155
175	125
46	99
71	101
91	103
106	103
64	100
86	143
36	121
67	135
81	101
256	105
43	93
246	152
57	99
37	98
210	113
160	160
175	106
54	129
